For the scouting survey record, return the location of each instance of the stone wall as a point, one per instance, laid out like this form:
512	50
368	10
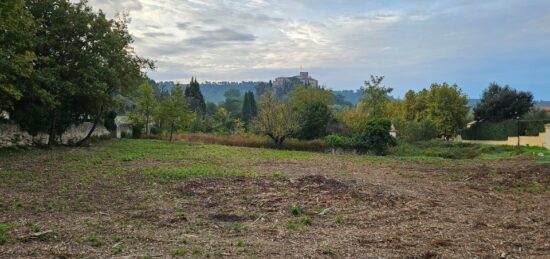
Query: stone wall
11	135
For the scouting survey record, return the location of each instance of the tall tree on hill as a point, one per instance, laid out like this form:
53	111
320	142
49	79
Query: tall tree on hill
502	103
196	99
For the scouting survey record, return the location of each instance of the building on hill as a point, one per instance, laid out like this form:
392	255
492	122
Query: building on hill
284	85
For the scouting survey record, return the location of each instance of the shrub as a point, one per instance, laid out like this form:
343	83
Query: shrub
377	136
412	131
137	129
503	130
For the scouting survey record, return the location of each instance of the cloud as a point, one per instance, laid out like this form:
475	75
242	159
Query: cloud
342	42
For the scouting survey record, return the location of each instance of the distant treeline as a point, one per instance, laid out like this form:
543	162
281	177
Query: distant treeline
214	91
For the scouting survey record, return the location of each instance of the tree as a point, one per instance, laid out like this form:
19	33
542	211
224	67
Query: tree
145	104
196	99
377	136
375	96
83	60
262	88
275	119
174	111
250	109
312	107
16	55
223	123
502	103
447	107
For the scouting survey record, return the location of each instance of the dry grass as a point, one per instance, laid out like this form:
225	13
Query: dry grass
252	141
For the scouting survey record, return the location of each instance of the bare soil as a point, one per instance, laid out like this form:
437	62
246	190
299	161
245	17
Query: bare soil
350	208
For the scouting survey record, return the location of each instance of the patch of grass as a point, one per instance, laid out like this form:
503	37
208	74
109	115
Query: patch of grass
180	251
195	171
291	226
197	251
305	220
240	243
454	176
4	228
94	240
238	227
296	210
340	219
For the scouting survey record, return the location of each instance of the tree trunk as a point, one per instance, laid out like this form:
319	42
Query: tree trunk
171	131
51	138
89	133
146	125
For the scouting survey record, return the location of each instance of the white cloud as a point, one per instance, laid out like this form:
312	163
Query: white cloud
405	40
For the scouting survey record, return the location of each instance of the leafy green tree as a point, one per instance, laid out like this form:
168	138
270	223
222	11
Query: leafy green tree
276	119
196	99
312	107
17	28
223	123
447	107
377	136
145	104
83	60
502	103
174	111
375	96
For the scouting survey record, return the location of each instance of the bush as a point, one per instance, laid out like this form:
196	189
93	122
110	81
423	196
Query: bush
377	136
502	130
412	131
137	130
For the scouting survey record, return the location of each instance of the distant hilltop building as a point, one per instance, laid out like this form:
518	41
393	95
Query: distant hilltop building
286	84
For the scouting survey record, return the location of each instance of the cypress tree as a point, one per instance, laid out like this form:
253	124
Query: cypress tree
193	92
246	108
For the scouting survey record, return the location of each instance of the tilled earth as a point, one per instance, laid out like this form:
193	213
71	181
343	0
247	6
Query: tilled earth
325	207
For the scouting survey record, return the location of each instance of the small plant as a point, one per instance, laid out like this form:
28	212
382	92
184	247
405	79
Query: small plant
118	249
4	228
339	219
35	227
197	250
305	220
180	251
240	243
94	240
127	158
238	227
296	210
291	226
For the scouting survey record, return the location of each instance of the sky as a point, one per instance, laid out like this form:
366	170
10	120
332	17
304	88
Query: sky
413	43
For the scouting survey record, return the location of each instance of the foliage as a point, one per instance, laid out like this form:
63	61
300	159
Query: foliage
145	105
275	119
502	103
375	96
502	130
250	109
412	131
196	99
109	121
83	60
377	136
16	56
174	111
443	104
312	106
353	121
223	123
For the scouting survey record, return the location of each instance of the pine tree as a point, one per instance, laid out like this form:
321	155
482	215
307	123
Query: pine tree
249	107
193	93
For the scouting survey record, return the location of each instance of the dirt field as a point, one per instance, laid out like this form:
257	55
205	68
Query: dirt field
152	199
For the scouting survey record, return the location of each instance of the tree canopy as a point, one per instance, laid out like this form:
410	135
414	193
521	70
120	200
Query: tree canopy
375	96
502	103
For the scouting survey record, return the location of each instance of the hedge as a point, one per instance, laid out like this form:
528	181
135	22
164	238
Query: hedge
503	130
